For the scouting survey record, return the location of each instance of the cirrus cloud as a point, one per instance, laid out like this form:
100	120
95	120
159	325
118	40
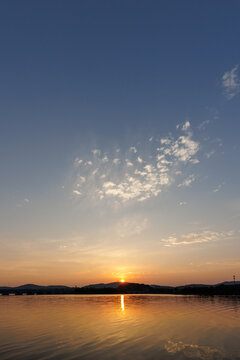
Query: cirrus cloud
139	176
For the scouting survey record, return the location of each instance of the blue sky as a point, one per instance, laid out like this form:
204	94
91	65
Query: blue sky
119	141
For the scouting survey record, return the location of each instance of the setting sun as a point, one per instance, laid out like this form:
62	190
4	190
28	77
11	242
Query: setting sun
122	281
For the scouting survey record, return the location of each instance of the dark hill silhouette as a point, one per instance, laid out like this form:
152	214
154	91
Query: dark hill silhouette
224	288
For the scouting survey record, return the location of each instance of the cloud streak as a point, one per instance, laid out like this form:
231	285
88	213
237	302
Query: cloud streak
196	238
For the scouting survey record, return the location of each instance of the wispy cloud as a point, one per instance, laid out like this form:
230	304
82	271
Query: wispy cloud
24	202
96	152
203	125
196	238
128	162
78	162
188	181
77	192
217	188
133	149
186	126
210	154
116	161
139	176
128	227
231	83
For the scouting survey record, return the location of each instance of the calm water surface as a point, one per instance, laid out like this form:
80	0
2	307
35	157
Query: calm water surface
119	327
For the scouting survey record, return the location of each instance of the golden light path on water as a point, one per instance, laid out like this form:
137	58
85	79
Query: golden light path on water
122	303
108	327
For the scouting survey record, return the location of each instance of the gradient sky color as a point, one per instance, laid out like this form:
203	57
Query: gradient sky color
119	141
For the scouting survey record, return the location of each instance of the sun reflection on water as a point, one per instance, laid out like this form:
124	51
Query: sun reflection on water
122	303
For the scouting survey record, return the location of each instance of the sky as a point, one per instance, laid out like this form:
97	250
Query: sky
119	141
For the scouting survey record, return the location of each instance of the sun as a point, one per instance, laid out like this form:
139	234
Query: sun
122	280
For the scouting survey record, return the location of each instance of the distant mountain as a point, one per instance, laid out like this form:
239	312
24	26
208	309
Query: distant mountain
29	286
39	287
228	283
124	288
224	288
115	285
112	285
162	287
192	286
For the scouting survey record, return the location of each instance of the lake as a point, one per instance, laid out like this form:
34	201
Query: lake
119	327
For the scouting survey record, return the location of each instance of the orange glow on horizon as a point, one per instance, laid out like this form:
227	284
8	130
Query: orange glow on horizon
122	281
